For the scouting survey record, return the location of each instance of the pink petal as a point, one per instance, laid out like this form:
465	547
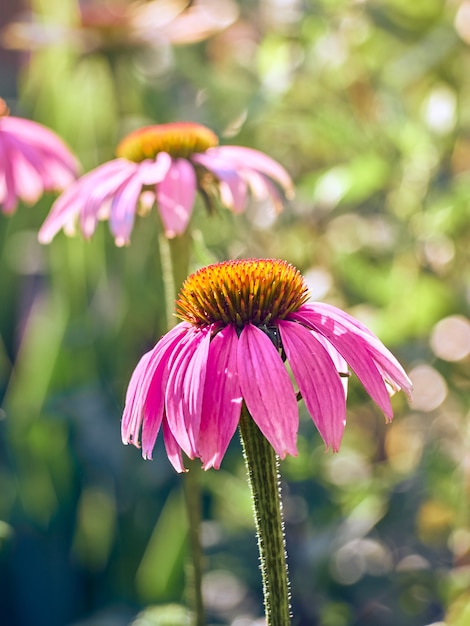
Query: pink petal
274	194
51	171
55	175
340	364
94	197
222	399
353	347
235	174
233	189
267	390
124	208
383	358
248	158
155	383
175	196
28	182
133	410
200	20
8	196
33	159
146	392
185	388
256	182
153	171
68	206
35	134
173	451
318	381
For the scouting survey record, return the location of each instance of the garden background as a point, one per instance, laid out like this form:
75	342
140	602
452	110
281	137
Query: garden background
367	105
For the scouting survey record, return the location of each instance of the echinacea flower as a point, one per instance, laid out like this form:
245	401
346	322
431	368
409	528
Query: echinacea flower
124	27
243	322
32	160
165	164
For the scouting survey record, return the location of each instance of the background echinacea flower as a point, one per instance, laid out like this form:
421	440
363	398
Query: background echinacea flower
123	27
33	160
165	164
242	322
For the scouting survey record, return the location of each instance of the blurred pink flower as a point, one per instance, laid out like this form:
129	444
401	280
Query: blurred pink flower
242	321
119	26
166	165
32	160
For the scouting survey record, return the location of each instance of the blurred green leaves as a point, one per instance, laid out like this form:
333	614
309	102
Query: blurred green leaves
162	562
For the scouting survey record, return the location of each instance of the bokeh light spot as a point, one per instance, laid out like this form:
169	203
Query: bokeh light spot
429	388
404	445
450	338
359	557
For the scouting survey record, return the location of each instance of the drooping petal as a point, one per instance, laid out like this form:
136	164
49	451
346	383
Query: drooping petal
124	208
222	399
133	411
67	206
318	381
155	383
173	451
233	193
26	169
185	388
256	183
267	390
39	136
53	172
8	197
105	185
274	194
353	347
249	158
339	362
384	359
144	405
233	188
175	197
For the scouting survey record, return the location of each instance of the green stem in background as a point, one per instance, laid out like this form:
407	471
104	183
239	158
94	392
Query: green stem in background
263	476
174	256
174	259
192	494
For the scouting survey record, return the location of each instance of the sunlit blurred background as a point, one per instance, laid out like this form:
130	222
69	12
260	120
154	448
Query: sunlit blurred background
367	104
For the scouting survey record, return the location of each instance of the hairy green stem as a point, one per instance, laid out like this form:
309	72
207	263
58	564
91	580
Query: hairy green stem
263	475
174	258
192	493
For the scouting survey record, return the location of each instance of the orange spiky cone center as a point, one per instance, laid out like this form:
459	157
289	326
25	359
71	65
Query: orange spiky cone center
179	140
256	291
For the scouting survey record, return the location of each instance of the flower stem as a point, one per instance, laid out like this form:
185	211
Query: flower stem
263	476
174	259
192	493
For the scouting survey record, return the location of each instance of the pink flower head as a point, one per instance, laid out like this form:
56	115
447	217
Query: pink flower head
32	160
165	165
243	321
126	27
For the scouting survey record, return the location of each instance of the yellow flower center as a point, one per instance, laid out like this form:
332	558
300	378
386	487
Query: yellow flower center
179	140
256	291
4	110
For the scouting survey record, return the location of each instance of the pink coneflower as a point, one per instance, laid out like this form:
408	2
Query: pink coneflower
32	160
243	322
124	27
166	165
